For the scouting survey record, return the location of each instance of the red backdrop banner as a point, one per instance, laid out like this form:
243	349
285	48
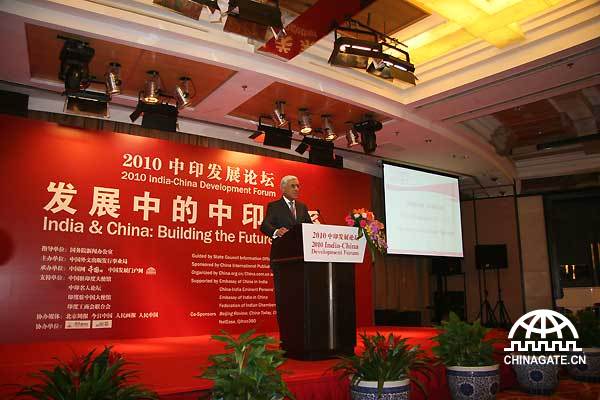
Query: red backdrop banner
106	235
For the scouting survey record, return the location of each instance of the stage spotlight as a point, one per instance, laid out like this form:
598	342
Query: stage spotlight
354	53
304	121
87	103
160	116
113	79
393	68
139	109
367	129
252	19
352	137
373	51
327	127
279	114
182	93
275	137
303	146
75	57
321	153
151	93
190	8
257	136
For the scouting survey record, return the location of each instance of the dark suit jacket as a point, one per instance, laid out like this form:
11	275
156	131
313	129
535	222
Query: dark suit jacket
279	215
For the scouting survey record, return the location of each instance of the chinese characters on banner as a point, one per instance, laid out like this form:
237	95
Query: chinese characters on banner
114	235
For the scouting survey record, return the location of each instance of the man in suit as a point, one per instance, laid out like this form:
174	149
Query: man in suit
281	215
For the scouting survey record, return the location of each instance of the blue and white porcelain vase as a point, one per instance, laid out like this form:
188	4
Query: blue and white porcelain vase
392	390
473	383
538	379
590	371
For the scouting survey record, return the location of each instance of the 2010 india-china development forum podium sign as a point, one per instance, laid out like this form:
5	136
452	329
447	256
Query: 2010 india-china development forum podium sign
106	235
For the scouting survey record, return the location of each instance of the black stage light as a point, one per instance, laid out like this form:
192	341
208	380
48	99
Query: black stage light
354	53
190	8
303	146
160	116
252	19
275	137
393	68
75	57
370	50
321	153
87	103
367	129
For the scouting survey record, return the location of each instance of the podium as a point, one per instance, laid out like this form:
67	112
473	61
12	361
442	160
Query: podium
316	303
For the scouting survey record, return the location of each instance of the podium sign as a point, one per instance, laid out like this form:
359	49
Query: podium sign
332	243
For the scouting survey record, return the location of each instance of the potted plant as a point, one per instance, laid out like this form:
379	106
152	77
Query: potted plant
383	368
536	376
587	324
89	377
248	370
470	367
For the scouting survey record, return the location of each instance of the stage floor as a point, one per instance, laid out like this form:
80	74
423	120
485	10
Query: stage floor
170	365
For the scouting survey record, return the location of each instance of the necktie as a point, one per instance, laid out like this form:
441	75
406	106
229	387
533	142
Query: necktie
293	208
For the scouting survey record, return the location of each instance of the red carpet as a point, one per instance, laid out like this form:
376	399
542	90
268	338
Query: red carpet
169	365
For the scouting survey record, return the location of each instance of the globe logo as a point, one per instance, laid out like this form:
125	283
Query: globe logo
543	322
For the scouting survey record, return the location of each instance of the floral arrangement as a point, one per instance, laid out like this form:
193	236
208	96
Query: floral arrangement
383	360
102	377
367	225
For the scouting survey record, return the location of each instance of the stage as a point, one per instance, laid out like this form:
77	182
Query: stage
170	365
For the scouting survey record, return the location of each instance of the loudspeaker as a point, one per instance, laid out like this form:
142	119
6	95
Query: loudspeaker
491	256
14	103
446	265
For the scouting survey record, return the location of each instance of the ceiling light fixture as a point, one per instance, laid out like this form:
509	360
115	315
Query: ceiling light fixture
273	136
304	121
327	128
279	113
162	116
367	49
113	79
303	146
253	19
182	92
190	8
353	53
151	94
367	129
352	138
75	57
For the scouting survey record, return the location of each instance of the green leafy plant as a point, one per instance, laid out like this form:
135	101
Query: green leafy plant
103	377
248	371
383	360
588	327
462	344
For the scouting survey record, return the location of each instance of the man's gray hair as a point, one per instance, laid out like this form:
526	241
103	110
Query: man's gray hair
285	180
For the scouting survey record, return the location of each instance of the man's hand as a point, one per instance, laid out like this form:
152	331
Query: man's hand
281	231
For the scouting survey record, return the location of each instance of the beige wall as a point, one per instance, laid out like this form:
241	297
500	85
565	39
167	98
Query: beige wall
536	269
496	224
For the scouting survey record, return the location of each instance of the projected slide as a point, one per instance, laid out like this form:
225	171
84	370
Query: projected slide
422	212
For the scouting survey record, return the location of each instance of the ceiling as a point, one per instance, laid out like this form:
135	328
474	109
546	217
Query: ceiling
498	79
